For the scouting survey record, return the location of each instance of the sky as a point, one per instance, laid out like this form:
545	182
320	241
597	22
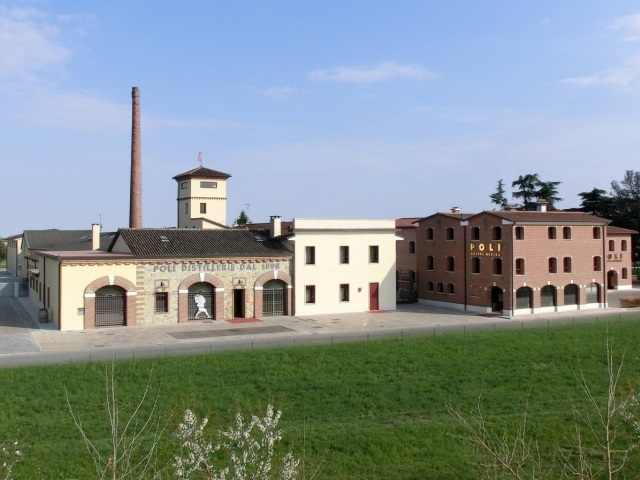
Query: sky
332	109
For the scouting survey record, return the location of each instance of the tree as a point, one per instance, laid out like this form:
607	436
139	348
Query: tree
596	202
242	219
498	197
626	205
528	186
549	191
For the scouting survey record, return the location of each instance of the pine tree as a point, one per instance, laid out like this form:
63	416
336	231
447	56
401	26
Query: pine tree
242	219
498	198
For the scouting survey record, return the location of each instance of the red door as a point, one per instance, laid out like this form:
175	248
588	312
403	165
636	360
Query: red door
373	296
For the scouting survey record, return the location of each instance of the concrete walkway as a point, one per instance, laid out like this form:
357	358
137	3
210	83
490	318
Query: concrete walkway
24	341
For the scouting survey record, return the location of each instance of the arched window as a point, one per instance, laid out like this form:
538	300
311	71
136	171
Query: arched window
593	293
524	297
548	296
571	294
273	298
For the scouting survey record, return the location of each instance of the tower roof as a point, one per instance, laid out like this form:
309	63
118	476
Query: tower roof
202	172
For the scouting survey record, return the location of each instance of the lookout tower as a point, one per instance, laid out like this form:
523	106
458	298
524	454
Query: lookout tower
202	198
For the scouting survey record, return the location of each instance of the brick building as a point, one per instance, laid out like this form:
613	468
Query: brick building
518	262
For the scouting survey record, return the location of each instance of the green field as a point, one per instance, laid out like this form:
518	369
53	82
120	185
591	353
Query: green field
363	410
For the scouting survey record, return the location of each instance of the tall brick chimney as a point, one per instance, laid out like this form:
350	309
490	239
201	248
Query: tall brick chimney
135	200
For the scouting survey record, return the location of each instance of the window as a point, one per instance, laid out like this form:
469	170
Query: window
412	247
553	265
519	233
519	266
497	266
597	264
475	233
623	245
310	294
566	233
497	233
429	262
310	255
374	252
451	264
566	264
475	265
208	185
439	287
625	274
449	234
344	292
429	234
429	286
344	254
186	208
184	185
551	233
203	208
162	302
612	245
596	232
451	289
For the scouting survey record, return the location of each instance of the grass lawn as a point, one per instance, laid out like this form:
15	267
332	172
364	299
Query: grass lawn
363	410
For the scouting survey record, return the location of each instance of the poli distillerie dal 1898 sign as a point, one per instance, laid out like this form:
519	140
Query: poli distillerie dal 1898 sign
485	249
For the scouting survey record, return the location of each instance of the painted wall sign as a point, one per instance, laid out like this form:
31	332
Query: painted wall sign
217	267
485	249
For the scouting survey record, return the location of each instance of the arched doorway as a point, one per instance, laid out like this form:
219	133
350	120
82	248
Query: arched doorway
524	298
593	293
273	298
612	280
497	299
571	294
201	301
548	296
111	306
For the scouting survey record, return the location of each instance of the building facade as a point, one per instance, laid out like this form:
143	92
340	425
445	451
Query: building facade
516	262
406	274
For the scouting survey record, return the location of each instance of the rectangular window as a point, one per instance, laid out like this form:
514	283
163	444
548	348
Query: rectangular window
344	292
203	208
429	234
451	264
475	265
623	245
412	247
551	233
429	262
429	286
475	233
450	235
612	245
184	185
497	266
553	265
344	254
519	233
186	208
374	253
497	233
310	294
597	264
596	233
566	233
310	255
519	266
208	184
566	264
162	302
451	289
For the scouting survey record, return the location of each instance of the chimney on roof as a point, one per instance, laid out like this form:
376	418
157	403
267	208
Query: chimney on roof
275	226
135	199
95	236
542	205
455	210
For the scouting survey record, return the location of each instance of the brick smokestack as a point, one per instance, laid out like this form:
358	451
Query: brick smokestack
135	200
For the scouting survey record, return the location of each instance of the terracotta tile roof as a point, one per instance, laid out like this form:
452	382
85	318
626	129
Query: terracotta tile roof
611	230
406	222
197	243
455	216
64	240
202	172
546	217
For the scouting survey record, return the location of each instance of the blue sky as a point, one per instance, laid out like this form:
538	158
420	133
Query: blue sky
371	109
